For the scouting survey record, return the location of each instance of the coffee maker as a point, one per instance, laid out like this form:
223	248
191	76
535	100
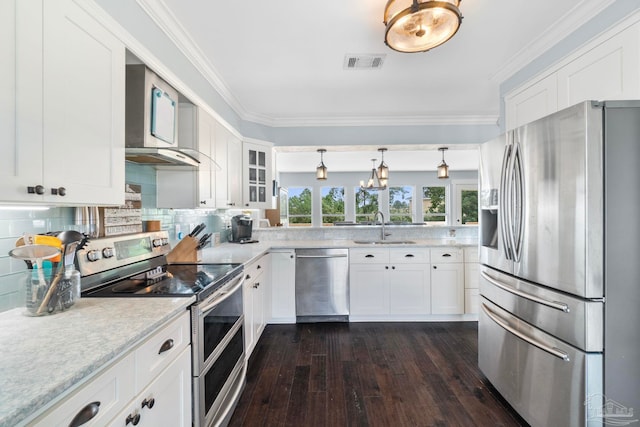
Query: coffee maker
241	228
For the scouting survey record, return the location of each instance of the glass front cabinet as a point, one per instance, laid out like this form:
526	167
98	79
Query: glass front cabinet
257	175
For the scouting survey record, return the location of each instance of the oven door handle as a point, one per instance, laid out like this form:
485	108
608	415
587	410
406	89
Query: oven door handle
223	295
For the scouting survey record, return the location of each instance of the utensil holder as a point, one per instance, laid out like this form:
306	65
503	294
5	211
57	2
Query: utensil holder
56	293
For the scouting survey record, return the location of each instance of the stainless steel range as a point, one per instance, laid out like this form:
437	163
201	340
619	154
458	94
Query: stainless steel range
136	266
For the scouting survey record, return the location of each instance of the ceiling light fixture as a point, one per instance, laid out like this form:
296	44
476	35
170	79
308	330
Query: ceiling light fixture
420	25
374	182
383	169
321	170
443	167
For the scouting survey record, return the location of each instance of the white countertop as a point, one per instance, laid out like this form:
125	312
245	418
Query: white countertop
43	357
244	253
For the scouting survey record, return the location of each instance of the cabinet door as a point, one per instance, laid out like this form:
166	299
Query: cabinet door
447	288
83	107
207	171
21	50
234	171
222	179
368	289
253	299
283	290
410	289
167	399
536	101
257	176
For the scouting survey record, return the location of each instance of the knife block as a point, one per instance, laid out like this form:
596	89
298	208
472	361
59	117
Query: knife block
184	251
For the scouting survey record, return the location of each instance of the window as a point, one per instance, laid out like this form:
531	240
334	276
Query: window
299	206
366	204
467	203
434	205
332	205
401	204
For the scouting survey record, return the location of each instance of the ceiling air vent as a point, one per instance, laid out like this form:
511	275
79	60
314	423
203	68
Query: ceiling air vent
364	62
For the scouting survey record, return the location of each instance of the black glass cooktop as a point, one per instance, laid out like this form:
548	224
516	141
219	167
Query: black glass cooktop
171	280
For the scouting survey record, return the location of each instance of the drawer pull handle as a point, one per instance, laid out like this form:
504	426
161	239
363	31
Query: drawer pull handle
446	255
148	402
256	285
133	419
248	277
409	256
166	346
369	256
85	414
259	267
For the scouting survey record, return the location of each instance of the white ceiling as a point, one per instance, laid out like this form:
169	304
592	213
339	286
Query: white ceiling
280	62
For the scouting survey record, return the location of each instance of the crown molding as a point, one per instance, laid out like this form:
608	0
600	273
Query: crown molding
345	121
580	14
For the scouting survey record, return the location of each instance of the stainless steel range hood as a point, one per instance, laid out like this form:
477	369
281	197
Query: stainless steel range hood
151	122
161	157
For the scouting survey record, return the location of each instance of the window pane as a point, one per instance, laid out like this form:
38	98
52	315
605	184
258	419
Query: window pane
469	206
332	205
299	206
433	204
400	204
366	204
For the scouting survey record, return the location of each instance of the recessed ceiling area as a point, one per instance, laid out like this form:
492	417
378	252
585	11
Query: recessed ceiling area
410	158
281	62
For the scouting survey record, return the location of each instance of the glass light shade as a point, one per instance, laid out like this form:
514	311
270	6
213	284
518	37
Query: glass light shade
383	171
420	25
443	170
321	172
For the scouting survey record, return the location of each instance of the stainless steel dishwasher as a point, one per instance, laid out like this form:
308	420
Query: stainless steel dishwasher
322	285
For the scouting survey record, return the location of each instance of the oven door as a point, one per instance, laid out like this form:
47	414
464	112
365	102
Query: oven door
219	368
212	322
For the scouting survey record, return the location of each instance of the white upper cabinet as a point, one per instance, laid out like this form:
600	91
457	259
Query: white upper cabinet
608	68
228	151
257	175
67	146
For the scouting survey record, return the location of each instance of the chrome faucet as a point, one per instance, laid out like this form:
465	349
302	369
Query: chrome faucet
383	235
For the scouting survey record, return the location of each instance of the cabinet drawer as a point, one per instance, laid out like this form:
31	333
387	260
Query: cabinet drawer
255	269
409	255
471	254
369	256
161	349
108	393
446	255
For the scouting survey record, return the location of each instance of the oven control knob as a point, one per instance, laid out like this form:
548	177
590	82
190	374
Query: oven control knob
157	243
107	252
94	255
165	241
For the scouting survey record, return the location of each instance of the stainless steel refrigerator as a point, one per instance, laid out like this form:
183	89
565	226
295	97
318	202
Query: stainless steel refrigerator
559	325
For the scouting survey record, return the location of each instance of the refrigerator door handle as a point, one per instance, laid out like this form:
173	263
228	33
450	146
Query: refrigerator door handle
553	304
554	351
503	202
516	204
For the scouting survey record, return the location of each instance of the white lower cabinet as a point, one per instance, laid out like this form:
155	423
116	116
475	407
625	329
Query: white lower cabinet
447	288
256	287
471	281
283	286
389	283
166	401
151	382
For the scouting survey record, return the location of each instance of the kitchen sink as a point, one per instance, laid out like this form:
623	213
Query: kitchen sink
383	242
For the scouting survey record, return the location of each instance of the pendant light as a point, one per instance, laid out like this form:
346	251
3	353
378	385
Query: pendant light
443	167
321	170
420	25
383	169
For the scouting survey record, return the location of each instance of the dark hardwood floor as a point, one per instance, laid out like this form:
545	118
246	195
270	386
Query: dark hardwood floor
369	374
